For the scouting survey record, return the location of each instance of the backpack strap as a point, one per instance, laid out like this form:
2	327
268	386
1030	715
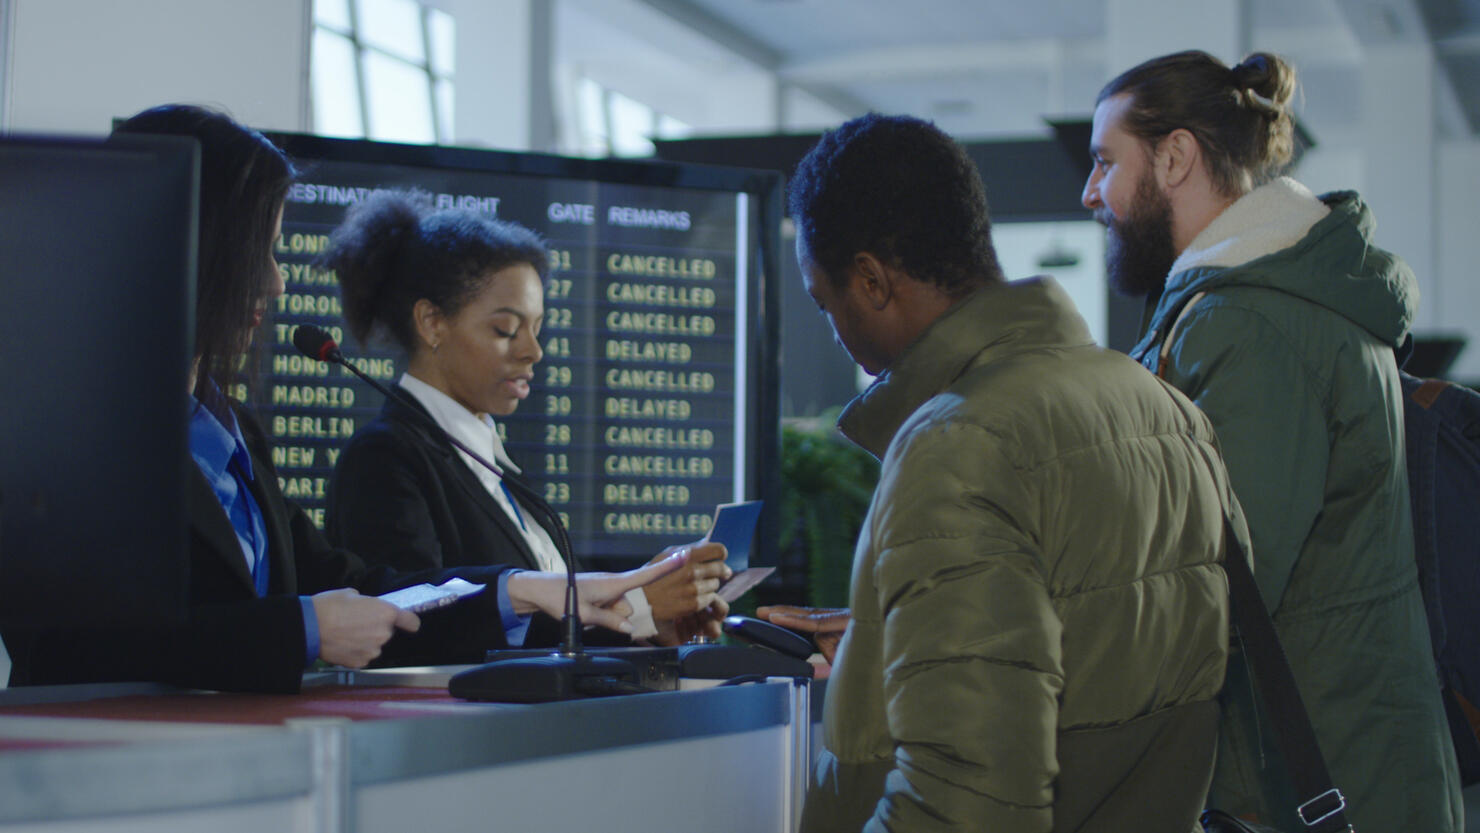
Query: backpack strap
1428	392
1166	343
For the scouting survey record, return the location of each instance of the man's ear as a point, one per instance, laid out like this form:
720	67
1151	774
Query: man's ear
874	280
1177	157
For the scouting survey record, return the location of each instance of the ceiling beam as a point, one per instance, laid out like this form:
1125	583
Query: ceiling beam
1384	23
742	44
1324	46
1316	45
721	32
897	63
1458	46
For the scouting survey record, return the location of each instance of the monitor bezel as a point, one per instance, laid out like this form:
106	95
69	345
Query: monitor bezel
763	431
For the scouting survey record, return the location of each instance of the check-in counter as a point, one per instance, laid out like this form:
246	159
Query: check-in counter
392	751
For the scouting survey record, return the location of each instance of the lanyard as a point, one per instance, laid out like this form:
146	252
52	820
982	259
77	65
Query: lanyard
513	504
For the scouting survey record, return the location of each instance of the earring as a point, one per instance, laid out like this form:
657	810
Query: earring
435	345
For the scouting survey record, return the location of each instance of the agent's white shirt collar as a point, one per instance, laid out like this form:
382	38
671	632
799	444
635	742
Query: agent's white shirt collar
476	431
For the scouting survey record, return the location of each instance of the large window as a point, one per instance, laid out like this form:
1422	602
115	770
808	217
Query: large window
382	69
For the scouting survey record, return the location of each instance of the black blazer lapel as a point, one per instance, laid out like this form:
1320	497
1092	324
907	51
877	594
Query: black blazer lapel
544	517
412	417
208	523
282	577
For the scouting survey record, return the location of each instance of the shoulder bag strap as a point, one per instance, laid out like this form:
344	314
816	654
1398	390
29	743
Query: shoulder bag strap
1322	805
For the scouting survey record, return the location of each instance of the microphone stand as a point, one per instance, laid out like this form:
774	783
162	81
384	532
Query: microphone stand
567	674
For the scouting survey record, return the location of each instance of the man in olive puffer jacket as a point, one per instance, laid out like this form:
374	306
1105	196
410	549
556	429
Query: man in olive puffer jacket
1039	615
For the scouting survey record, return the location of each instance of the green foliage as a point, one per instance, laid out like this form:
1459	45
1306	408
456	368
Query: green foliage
826	485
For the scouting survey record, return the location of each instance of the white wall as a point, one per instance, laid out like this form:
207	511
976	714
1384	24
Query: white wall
1398	146
803	112
493	73
1421	190
1457	290
77	64
1326	168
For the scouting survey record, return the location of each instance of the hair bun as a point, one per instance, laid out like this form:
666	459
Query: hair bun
365	252
1267	82
1248	74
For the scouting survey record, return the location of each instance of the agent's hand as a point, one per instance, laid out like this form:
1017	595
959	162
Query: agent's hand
691	589
706	623
352	628
826	624
600	593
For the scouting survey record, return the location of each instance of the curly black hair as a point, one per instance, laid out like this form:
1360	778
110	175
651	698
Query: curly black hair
900	189
393	249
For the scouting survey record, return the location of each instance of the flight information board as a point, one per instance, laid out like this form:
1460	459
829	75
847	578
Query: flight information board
648	408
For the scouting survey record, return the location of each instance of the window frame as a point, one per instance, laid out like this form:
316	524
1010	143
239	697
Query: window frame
360	49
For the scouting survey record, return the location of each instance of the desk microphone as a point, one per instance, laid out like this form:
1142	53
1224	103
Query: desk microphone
565	675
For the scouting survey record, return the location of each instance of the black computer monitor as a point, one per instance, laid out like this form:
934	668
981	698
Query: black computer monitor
97	287
658	394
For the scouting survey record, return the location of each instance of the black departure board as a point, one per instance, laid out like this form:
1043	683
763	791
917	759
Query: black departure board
655	399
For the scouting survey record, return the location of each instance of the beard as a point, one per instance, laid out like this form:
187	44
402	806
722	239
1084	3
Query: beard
1139	251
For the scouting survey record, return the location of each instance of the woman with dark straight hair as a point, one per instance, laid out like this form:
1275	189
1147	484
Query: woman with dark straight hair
251	552
244	179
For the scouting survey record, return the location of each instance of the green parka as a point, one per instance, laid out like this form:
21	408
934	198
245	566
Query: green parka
1039	622
1290	354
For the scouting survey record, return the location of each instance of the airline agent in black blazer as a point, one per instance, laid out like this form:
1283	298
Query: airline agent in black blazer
401	496
463	296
